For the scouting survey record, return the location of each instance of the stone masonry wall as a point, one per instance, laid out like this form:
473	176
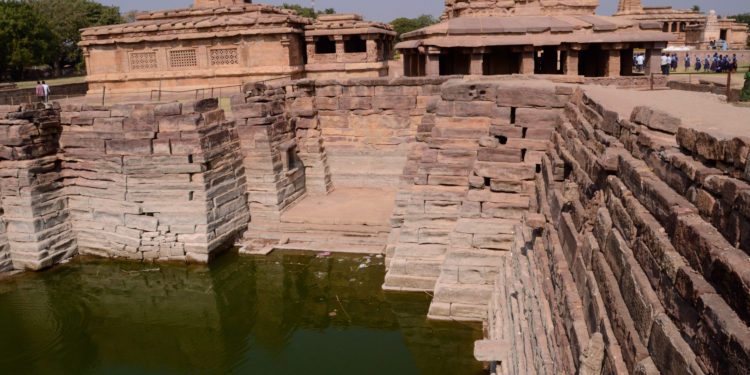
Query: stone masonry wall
283	152
153	181
369	125
467	187
35	209
645	234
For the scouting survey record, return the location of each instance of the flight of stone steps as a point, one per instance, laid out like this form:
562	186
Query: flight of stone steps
520	320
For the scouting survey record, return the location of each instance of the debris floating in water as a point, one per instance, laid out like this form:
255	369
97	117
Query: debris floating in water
323	255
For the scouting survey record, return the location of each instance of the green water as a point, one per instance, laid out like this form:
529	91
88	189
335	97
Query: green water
288	313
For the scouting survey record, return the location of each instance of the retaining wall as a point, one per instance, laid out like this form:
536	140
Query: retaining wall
650	235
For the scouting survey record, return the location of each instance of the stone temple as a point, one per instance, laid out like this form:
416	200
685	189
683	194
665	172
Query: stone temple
220	43
530	37
589	229
691	28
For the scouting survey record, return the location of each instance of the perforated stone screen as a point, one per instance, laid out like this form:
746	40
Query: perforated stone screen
143	61
224	56
183	58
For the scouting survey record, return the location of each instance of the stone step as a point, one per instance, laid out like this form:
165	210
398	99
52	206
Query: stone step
337	228
402	283
332	247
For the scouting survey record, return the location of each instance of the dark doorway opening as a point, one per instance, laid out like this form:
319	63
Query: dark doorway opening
592	62
355	44
626	62
455	62
415	64
501	61
324	45
547	61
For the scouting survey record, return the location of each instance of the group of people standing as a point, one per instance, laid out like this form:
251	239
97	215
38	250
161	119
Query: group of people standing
42	91
716	63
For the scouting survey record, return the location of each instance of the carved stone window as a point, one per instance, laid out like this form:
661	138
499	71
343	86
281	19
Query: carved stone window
143	61
184	58
224	56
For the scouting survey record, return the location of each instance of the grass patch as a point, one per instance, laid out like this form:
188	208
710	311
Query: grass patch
52	82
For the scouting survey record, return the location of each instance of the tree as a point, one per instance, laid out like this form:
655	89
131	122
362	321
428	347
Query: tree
696	8
404	25
307	11
66	18
25	39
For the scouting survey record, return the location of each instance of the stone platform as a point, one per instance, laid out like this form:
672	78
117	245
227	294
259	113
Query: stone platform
348	220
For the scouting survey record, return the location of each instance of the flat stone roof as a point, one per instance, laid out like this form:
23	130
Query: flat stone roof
197	23
338	24
534	30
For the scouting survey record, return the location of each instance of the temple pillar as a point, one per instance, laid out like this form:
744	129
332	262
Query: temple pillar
653	60
571	63
310	47
433	62
340	53
477	60
613	63
527	60
372	50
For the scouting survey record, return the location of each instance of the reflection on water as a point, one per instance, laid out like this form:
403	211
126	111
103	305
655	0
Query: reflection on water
289	313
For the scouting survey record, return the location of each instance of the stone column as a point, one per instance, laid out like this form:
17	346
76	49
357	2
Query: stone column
433	62
340	53
613	63
571	63
373	54
310	46
653	61
477	60
527	60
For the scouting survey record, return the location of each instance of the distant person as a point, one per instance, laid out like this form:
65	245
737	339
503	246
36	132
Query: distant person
46	92
640	61
687	62
39	91
698	65
674	62
665	61
707	64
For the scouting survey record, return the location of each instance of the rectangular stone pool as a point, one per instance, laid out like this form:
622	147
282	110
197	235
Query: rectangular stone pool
288	313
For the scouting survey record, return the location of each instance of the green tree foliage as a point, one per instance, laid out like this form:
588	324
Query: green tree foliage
25	38
696	8
66	18
307	11
404	25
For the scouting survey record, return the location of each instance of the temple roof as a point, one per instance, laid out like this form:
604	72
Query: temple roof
192	23
332	24
533	30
